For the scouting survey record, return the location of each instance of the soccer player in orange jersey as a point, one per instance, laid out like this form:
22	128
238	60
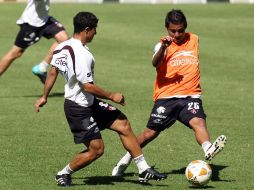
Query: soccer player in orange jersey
177	90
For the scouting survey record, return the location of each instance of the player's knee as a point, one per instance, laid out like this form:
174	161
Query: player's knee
149	134
98	152
61	36
20	53
124	125
14	54
197	123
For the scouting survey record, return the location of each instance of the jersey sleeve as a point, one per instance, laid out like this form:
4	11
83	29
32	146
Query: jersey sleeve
60	59
156	48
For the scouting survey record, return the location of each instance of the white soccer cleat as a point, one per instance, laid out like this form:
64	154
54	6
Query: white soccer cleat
119	169
216	147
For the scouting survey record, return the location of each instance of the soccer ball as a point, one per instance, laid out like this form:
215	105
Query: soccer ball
198	173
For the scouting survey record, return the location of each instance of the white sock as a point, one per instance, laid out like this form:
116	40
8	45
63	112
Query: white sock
66	170
141	163
126	159
43	66
205	145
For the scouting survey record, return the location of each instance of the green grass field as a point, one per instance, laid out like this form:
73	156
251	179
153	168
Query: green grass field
35	146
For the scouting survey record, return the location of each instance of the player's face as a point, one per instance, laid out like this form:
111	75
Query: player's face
176	31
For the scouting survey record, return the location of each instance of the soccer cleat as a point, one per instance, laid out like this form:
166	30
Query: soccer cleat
216	147
119	169
151	173
42	75
63	180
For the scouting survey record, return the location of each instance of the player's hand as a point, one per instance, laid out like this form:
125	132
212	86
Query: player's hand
39	103
166	41
118	98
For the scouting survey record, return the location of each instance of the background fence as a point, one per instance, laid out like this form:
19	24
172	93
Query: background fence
144	1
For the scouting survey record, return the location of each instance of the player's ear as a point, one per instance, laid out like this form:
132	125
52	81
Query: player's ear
87	29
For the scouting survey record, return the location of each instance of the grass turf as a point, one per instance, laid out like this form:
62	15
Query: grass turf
35	146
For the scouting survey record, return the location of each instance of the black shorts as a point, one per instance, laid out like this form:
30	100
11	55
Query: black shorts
167	111
29	35
87	122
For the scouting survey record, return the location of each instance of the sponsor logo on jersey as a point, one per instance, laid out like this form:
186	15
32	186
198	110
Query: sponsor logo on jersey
184	53
61	60
183	58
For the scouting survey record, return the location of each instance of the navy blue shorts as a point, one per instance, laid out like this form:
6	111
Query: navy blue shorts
29	35
167	111
87	122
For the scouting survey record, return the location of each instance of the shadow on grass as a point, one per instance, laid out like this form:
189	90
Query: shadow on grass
215	172
216	169
52	95
109	180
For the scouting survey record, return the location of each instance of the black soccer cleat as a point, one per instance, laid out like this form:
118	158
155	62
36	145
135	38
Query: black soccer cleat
63	180
151	173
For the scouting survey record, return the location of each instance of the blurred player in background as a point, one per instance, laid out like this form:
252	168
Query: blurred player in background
86	114
35	23
177	90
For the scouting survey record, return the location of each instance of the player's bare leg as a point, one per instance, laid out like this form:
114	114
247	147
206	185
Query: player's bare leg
14	53
40	69
202	136
95	149
130	143
199	127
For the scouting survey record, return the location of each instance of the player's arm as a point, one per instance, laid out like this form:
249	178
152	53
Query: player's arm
49	83
160	53
101	93
158	56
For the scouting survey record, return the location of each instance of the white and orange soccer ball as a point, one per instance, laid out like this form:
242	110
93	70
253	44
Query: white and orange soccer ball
198	173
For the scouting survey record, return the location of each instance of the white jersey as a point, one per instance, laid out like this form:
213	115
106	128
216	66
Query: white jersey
35	13
76	63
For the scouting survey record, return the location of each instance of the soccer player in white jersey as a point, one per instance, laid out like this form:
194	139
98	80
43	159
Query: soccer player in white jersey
34	23
86	114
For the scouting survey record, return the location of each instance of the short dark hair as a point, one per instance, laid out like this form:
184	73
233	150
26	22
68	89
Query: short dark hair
82	20
175	16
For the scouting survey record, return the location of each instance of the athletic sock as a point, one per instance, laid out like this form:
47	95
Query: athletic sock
65	170
43	66
205	145
141	163
126	159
